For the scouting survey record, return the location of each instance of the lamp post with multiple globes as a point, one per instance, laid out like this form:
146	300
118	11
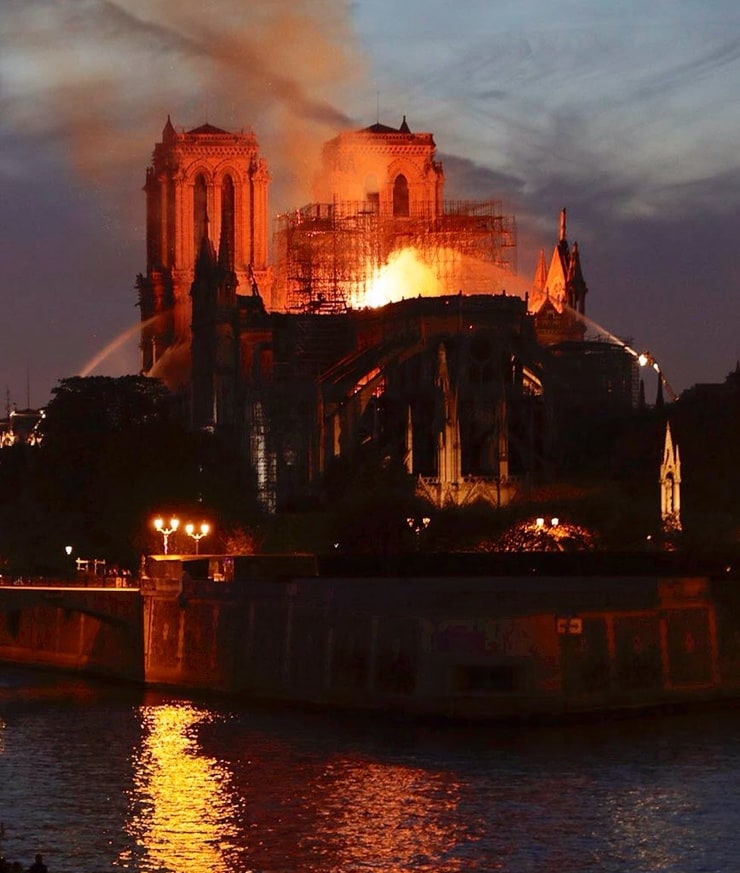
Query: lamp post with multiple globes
166	531
418	525
197	535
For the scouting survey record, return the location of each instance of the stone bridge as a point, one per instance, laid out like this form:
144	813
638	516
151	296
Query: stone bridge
98	631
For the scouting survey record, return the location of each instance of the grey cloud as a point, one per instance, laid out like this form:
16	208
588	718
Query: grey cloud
678	75
467	180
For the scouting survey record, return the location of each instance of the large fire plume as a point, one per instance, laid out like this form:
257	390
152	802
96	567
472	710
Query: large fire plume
411	272
404	275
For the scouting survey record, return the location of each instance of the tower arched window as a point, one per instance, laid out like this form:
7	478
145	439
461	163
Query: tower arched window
400	196
227	219
200	211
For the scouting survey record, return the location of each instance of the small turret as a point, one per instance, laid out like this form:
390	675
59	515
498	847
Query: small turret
168	132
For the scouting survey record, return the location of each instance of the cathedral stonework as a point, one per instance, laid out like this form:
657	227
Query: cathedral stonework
558	296
394	169
206	182
385	323
670	485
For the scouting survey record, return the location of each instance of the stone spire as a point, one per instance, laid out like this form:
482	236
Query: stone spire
449	465
558	297
168	132
575	283
540	274
670	485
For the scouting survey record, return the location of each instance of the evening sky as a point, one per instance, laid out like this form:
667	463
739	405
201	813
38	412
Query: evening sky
625	113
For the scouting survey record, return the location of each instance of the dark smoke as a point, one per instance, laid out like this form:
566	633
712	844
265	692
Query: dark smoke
96	79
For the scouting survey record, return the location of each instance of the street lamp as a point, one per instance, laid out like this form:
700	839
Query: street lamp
190	531
418	525
166	531
68	564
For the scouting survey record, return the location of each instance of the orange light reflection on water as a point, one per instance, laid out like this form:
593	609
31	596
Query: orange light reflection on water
182	803
400	817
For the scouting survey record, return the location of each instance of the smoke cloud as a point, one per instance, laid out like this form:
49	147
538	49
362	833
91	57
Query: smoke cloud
97	78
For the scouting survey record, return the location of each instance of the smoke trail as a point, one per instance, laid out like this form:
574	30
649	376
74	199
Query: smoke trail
97	78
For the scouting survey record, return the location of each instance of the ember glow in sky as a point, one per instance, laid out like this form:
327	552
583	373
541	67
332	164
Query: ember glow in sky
626	114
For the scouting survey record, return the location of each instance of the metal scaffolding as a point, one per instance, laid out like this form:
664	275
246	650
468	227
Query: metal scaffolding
325	254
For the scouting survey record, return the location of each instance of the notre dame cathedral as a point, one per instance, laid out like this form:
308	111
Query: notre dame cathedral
377	315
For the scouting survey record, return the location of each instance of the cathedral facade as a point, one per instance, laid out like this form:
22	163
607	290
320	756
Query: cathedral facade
289	355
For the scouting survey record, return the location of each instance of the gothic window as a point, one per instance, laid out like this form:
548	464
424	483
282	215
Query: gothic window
200	211
227	216
400	196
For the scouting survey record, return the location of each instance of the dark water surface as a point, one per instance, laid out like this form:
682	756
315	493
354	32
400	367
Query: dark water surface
101	778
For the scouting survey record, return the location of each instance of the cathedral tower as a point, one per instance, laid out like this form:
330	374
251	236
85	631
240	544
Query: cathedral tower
379	198
203	182
392	169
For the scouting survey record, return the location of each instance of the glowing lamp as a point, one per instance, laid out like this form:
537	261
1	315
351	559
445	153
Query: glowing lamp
418	525
166	531
197	535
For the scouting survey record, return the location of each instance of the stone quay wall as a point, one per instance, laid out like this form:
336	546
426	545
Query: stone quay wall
94	631
454	646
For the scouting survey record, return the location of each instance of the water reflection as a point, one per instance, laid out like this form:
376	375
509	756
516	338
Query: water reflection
307	805
182	804
387	816
103	780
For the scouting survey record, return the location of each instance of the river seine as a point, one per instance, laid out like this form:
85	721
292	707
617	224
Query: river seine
103	778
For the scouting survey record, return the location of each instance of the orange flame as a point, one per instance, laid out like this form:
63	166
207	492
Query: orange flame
405	275
410	273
